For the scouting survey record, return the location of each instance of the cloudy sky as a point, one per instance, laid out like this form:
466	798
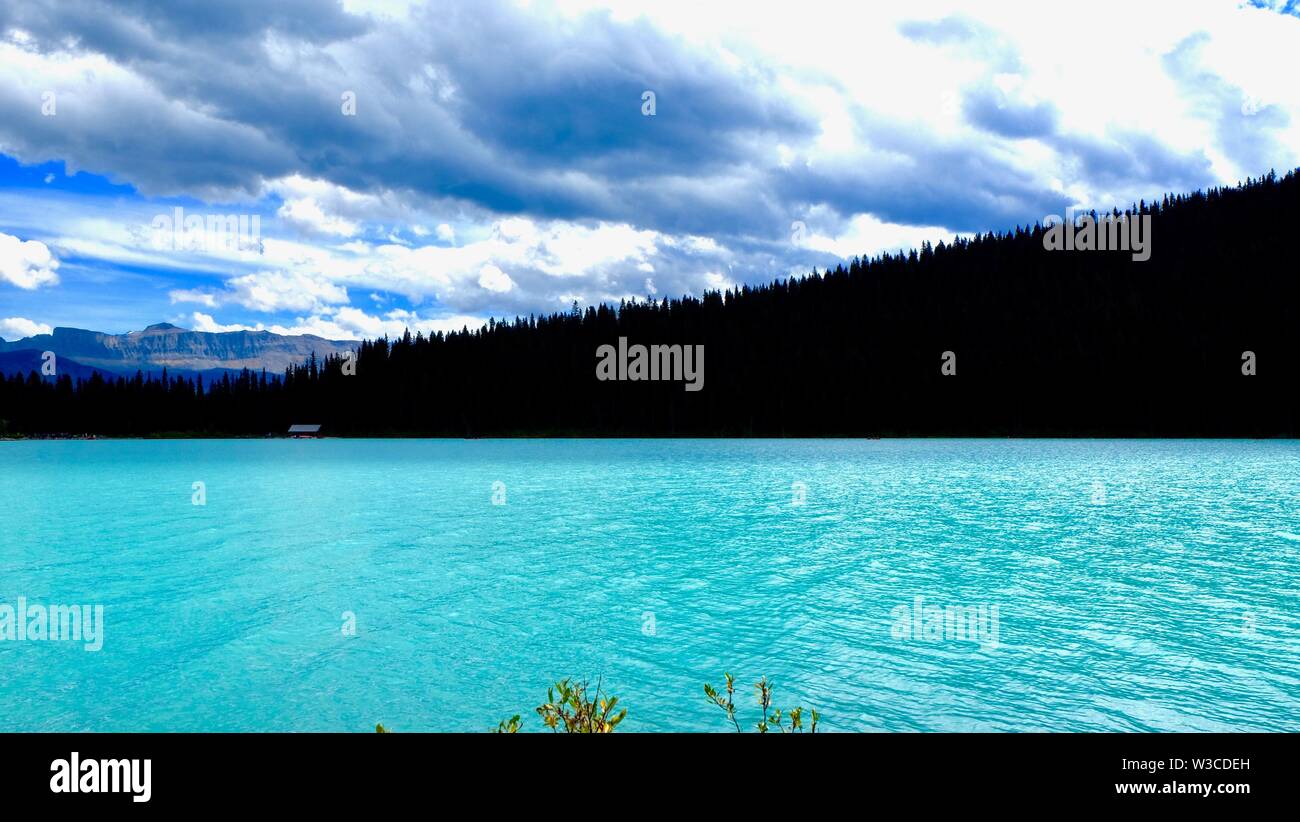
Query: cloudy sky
431	164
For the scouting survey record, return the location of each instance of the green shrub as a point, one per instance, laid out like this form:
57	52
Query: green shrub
575	713
569	709
773	719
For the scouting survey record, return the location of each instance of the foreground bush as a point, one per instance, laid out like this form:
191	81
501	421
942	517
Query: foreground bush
772	717
569	709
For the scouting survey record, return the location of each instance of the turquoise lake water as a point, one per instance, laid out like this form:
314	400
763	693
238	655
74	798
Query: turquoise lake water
1139	585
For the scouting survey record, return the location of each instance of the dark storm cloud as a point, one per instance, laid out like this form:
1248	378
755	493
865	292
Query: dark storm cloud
136	29
1134	159
571	97
992	111
1121	159
474	101
914	178
504	111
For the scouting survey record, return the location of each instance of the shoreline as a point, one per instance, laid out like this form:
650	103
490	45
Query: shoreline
576	436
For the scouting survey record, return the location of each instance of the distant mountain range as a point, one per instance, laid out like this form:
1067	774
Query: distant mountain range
181	351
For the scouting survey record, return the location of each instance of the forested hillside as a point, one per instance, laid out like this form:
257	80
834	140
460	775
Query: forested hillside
1063	343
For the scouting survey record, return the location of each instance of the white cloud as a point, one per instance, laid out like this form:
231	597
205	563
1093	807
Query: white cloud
715	281
494	279
322	208
205	322
548	262
184	295
352	323
307	214
539	256
26	264
285	291
16	328
399	9
270	291
348	323
867	236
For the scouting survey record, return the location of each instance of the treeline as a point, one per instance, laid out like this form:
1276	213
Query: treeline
1063	343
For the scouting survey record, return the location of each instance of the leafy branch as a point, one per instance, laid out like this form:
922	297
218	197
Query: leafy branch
577	714
773	718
